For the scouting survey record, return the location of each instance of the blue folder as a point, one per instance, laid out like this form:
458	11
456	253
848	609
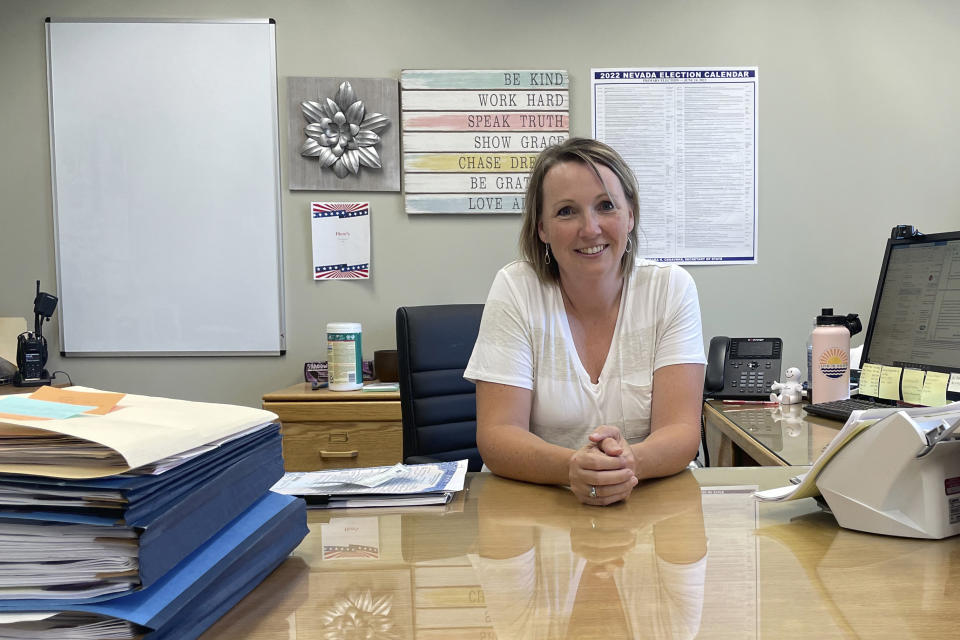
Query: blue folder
191	597
214	489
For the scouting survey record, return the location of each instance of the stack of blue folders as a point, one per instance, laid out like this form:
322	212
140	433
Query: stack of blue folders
163	554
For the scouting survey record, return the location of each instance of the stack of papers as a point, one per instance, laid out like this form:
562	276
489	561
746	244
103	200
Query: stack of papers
65	624
135	432
20	445
164	517
399	485
857	423
90	560
149	503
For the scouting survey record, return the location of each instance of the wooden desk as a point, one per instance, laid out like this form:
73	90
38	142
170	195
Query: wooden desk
745	435
678	560
326	429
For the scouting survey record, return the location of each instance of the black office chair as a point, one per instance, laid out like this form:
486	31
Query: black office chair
439	407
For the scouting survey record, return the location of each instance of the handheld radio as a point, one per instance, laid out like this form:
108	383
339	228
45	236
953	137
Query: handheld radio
32	346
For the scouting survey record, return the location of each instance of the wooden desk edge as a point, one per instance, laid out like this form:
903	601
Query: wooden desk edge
301	392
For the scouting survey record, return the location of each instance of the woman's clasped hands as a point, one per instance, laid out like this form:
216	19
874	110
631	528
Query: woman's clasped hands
604	470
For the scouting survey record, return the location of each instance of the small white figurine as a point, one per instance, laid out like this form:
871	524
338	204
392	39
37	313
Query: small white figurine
791	391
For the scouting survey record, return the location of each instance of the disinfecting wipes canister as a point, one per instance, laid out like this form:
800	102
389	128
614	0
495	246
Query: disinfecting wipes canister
344	356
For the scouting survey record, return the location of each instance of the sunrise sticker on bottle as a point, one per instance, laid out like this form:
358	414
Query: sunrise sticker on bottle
834	363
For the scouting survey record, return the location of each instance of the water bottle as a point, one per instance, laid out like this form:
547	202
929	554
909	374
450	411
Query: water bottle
830	355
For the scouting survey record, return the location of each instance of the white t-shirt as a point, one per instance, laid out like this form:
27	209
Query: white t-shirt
525	342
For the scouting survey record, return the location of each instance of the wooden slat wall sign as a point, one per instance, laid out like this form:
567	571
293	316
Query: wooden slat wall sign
470	138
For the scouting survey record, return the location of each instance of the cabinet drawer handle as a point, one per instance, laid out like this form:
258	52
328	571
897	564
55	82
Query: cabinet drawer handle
339	454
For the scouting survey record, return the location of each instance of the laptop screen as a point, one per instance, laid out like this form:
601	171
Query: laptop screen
915	321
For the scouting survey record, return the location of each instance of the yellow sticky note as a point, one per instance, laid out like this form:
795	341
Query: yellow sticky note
912	386
890	383
935	389
870	380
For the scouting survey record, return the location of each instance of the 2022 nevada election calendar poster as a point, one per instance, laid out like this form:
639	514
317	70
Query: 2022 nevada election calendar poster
690	136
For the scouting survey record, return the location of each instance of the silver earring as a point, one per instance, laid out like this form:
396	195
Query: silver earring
546	255
629	245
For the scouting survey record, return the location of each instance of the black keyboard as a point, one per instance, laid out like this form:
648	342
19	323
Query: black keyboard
841	409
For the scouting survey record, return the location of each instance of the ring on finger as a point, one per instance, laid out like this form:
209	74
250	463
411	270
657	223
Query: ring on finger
593	491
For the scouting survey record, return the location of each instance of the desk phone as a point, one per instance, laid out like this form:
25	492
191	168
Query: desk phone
742	368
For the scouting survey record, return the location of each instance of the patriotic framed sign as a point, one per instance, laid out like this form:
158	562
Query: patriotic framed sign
341	240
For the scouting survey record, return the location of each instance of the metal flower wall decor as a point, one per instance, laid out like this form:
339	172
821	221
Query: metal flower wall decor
341	134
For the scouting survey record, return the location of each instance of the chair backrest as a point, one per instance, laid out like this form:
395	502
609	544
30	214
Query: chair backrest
439	407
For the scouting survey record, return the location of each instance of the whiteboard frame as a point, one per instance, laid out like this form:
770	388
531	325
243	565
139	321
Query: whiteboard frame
275	125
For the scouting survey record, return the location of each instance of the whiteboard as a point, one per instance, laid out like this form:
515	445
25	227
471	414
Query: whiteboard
166	187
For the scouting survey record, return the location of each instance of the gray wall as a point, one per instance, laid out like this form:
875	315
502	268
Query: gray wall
858	132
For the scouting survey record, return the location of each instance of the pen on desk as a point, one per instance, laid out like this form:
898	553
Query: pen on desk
762	403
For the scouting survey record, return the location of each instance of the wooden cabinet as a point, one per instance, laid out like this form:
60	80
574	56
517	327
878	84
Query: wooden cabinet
326	429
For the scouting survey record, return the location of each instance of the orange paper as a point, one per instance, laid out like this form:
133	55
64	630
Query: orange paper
104	402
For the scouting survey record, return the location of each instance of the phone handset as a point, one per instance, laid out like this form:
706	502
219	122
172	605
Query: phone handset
716	363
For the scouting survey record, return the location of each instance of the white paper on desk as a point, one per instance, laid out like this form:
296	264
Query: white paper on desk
413	478
856	424
397	479
341	240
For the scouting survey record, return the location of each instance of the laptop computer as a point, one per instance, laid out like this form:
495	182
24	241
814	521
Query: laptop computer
915	320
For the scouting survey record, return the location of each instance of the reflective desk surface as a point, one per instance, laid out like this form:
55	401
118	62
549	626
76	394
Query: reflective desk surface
771	436
688	556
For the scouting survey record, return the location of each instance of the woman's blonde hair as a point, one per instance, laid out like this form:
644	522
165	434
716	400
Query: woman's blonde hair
591	153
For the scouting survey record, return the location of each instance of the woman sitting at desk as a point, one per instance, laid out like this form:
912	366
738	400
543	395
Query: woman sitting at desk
589	362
